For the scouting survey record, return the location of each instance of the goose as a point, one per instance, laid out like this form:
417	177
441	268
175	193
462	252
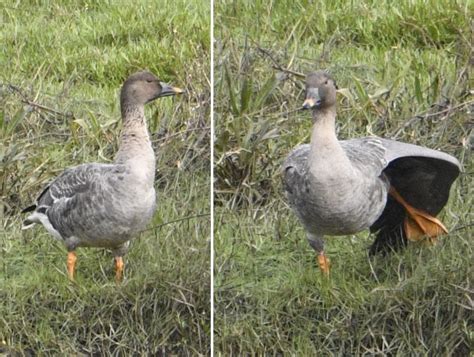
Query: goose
105	205
341	187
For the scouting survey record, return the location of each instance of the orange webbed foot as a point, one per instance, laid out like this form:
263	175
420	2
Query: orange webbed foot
323	263
119	268
419	224
71	264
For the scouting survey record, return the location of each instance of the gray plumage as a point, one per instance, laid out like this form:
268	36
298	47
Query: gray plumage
341	187
106	205
95	205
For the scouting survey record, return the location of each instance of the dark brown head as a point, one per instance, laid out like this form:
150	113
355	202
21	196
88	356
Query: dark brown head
320	91
143	87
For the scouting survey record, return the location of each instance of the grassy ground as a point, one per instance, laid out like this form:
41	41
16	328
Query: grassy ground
404	70
61	69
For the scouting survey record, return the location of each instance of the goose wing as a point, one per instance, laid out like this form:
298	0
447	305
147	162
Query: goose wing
423	177
76	198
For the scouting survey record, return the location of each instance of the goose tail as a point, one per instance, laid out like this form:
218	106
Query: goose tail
28	223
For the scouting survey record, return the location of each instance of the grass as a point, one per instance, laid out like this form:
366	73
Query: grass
61	69
404	73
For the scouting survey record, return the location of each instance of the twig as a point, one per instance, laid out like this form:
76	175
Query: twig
408	122
177	220
36	105
277	65
427	115
291	111
179	133
462	227
289	71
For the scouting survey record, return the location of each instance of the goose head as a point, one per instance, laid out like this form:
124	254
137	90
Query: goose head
143	87
320	91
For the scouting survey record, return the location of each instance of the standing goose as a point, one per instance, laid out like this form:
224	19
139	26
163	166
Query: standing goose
106	205
343	187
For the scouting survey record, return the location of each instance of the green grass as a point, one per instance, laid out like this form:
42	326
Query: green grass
404	72
62	66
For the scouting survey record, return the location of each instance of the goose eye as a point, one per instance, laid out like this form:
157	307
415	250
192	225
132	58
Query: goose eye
326	82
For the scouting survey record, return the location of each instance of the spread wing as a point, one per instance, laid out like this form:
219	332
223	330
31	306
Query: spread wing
423	177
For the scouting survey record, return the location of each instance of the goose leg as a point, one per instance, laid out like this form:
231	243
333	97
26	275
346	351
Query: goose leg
119	267
323	262
317	244
418	223
71	264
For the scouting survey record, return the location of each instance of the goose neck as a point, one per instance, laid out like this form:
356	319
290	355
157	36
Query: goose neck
324	129
135	148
